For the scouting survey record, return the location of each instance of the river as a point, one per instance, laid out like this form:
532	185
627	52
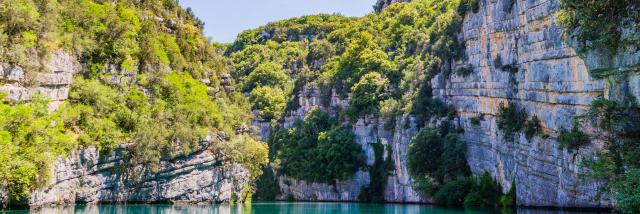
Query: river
282	208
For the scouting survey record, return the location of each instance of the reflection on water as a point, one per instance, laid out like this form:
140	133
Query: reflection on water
280	208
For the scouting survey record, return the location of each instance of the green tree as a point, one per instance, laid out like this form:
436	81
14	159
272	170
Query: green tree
368	93
266	74
269	102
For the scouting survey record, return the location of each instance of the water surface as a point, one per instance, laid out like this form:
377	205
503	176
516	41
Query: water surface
281	208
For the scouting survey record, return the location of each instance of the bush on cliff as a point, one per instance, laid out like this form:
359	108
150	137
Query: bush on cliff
511	119
618	163
31	138
600	24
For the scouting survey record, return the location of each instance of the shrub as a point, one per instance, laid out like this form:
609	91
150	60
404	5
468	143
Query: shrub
511	120
367	94
464	71
266	74
532	127
423	157
379	173
599	24
434	160
30	140
267	188
270	102
489	189
473	199
454	193
475	120
573	139
509	199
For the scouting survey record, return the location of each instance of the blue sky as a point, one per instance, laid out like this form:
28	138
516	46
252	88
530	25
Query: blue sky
224	19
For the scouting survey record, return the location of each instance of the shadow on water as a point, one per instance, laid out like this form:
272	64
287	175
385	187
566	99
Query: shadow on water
282	208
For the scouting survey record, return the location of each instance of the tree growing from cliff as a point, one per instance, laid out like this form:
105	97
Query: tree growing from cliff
317	149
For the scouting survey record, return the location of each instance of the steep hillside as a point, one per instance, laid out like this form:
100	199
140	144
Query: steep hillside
418	81
146	81
481	103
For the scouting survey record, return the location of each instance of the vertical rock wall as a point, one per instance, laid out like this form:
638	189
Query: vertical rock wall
552	82
53	82
87	176
518	54
368	131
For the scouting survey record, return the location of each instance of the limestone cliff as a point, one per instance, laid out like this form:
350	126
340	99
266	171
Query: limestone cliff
88	177
518	54
22	84
552	82
368	131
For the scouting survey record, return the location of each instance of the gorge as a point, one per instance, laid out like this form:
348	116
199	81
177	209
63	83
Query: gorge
496	102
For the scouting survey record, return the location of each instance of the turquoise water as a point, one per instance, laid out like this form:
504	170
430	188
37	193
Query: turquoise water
279	208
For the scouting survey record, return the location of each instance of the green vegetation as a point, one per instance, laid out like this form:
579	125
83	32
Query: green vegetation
511	120
573	139
433	160
618	163
532	127
438	165
142	85
384	62
509	199
367	94
389	55
317	149
267	188
476	120
30	139
600	24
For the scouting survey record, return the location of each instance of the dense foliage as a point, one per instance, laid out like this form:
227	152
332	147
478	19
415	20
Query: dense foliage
438	165
511	119
150	80
602	24
618	164
30	139
317	149
434	160
382	64
388	56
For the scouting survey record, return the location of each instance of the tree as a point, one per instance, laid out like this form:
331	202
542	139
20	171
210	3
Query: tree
368	93
269	102
266	74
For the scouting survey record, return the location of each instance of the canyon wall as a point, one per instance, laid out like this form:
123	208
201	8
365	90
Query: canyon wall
551	82
88	177
53	82
518	54
368	131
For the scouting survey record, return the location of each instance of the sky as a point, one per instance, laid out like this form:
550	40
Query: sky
224	19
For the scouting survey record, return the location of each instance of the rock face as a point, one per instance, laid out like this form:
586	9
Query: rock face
89	177
53	82
86	176
552	82
368	131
